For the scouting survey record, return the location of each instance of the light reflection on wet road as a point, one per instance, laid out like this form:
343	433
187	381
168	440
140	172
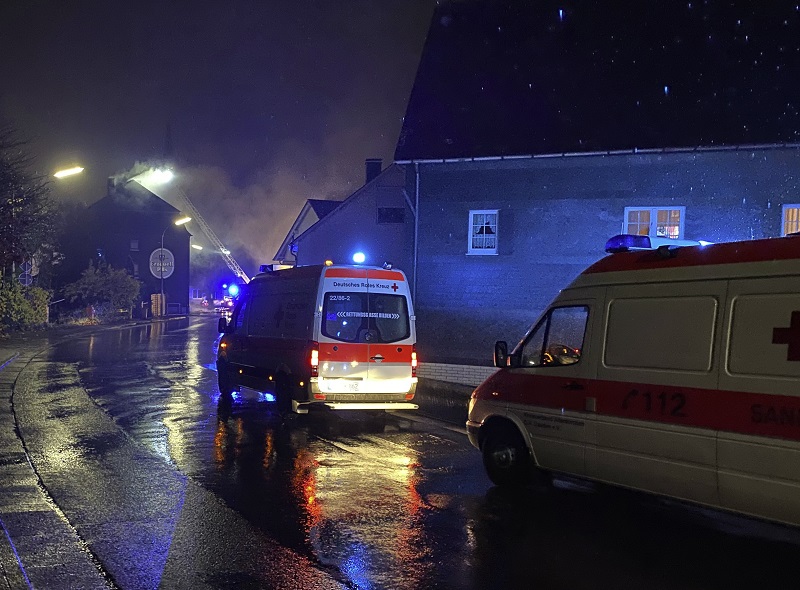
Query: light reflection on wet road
405	505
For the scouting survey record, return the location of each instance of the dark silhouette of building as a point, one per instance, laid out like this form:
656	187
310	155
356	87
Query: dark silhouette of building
128	228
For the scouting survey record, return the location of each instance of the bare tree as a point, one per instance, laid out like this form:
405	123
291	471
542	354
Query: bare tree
26	210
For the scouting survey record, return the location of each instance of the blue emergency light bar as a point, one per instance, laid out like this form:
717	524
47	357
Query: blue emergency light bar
625	242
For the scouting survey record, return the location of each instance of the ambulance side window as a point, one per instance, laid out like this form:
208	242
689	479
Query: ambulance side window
558	338
239	321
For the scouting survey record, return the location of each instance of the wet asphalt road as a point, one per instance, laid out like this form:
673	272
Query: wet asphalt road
123	430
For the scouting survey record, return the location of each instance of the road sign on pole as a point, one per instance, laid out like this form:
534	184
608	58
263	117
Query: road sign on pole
26	279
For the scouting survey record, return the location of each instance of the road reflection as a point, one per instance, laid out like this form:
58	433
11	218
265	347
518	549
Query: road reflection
333	487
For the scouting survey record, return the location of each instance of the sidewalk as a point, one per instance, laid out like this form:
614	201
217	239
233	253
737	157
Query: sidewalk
38	547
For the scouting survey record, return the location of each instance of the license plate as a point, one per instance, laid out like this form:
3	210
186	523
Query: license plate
343	386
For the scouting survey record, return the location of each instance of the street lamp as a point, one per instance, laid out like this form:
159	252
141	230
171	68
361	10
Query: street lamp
161	304
68	172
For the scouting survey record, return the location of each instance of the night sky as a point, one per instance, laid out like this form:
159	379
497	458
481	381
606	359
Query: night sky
268	103
510	77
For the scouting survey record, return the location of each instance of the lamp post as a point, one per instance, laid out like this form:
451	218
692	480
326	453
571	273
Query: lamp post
161	303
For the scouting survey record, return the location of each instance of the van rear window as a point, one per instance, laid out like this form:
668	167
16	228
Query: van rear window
365	317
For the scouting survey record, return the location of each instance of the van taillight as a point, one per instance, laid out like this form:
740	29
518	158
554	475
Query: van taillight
414	361
314	360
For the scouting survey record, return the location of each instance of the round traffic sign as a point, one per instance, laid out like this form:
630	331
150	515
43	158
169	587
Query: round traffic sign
162	263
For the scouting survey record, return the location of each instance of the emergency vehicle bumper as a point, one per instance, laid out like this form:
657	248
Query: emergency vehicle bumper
473	430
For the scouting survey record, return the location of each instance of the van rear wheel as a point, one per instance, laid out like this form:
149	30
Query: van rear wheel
506	458
283	392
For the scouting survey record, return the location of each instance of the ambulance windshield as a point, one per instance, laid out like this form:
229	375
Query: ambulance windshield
363	317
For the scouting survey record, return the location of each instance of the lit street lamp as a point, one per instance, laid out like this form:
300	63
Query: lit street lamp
68	172
161	304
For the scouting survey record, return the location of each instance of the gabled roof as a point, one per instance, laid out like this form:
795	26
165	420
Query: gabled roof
313	210
512	77
322	207
132	197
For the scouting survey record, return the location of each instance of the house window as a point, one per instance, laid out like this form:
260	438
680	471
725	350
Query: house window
134	245
483	231
790	224
656	222
391	215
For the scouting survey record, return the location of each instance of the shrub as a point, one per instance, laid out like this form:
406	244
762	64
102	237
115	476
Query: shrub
22	308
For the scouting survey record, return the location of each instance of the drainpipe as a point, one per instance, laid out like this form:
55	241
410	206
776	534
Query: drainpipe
416	230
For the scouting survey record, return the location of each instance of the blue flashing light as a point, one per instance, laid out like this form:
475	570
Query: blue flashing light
233	290
625	242
359	258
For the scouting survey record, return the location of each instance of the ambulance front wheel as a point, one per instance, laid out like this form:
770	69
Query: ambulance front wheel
226	385
505	456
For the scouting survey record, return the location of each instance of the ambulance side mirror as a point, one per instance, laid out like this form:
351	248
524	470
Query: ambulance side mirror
501	354
222	326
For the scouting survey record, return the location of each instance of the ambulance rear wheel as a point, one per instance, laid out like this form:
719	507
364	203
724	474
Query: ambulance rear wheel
505	457
283	392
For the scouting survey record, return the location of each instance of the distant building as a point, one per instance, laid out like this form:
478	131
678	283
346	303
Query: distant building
377	220
311	213
534	132
128	227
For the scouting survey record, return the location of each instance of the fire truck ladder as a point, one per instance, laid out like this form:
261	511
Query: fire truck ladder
226	254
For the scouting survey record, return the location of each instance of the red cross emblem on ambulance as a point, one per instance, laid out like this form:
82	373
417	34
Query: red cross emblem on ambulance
790	336
395	287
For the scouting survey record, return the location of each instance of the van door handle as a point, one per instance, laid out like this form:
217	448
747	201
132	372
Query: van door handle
573	386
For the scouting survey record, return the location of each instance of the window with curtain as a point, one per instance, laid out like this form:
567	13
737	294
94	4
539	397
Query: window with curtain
790	224
483	230
660	222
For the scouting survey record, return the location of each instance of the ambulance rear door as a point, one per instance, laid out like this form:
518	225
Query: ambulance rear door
343	348
390	331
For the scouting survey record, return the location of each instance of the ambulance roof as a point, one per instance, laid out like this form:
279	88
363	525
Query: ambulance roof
340	271
753	258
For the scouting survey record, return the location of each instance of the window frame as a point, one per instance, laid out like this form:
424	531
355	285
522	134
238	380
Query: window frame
386	219
653	226
796	206
472	251
543	328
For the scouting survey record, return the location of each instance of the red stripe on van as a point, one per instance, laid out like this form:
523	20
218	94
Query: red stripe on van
362	352
343	351
387	275
391	353
346	273
364	273
726	253
731	411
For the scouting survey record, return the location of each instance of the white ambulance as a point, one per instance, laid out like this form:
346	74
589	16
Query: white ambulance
673	370
339	336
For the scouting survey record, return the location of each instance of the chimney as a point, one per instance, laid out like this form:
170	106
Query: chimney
373	168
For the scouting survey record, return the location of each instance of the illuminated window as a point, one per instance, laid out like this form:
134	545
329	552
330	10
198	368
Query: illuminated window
790	224
656	222
483	231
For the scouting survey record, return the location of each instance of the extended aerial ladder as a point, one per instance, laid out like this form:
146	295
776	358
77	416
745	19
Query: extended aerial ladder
161	175
212	237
